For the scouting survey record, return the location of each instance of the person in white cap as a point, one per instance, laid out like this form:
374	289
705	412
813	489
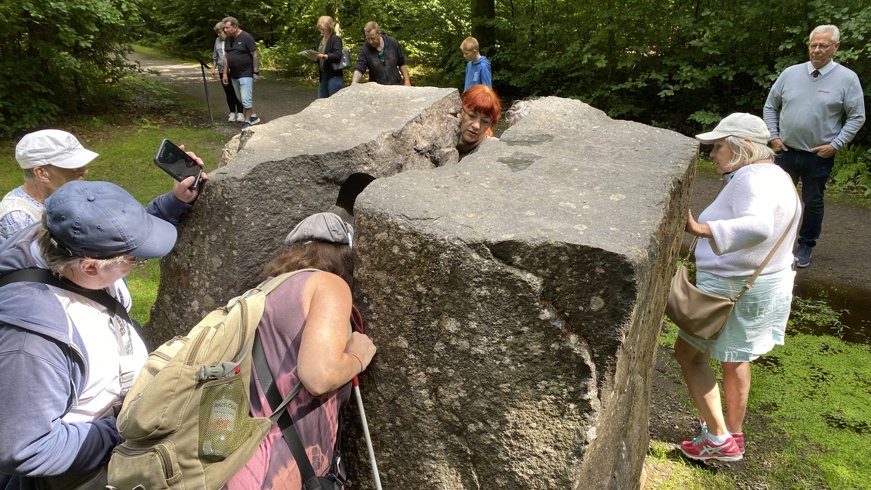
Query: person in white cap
736	232
49	158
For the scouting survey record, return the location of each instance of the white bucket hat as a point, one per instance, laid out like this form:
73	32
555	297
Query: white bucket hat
52	147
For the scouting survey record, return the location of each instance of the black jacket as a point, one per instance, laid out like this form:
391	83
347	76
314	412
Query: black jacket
333	50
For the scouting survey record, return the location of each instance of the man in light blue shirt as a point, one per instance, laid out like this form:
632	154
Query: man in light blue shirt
812	111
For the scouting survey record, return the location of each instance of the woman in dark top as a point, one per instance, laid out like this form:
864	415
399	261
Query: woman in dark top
330	51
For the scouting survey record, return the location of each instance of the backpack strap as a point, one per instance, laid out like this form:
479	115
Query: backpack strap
282	416
44	276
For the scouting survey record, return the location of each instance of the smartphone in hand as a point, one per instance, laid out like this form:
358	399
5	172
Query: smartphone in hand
174	161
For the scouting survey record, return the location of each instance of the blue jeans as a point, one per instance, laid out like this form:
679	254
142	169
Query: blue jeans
329	86
244	88
813	172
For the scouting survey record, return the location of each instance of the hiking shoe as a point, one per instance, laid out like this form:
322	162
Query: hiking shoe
254	119
739	437
701	448
240	117
803	256
232	117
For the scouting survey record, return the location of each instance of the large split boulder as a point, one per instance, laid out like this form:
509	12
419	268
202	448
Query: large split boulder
280	172
515	297
516	300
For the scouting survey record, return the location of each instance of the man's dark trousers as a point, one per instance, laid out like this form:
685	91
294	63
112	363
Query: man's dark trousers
813	172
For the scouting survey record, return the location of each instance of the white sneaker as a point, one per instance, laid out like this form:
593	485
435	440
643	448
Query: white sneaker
232	117
240	117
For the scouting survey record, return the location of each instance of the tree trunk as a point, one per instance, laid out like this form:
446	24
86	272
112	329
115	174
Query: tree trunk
483	16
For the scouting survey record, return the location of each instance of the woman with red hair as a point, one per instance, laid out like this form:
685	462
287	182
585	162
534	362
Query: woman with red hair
481	109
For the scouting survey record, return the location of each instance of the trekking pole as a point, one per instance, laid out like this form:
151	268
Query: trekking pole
203	67
358	322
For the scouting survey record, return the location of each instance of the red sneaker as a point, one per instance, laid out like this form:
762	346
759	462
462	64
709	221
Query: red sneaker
703	449
739	437
739	440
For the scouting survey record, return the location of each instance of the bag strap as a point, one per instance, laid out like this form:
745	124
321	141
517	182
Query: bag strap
749	283
281	416
44	276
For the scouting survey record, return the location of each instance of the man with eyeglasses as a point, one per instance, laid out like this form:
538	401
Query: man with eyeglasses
68	349
382	57
812	111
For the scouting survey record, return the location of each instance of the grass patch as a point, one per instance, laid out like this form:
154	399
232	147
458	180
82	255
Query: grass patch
816	390
704	165
808	423
666	470
143	283
816	315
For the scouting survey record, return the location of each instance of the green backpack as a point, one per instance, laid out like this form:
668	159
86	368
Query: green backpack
185	421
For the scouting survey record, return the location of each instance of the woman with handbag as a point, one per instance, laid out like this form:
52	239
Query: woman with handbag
753	219
329	56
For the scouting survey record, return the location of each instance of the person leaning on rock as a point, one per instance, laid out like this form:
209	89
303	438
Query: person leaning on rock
382	57
307	339
812	111
480	112
69	360
756	207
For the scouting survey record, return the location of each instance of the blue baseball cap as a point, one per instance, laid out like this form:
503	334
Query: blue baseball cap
100	220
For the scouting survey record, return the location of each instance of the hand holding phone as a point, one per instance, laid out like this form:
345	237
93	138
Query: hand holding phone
177	163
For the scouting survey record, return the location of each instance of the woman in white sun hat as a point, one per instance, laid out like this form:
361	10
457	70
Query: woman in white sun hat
736	232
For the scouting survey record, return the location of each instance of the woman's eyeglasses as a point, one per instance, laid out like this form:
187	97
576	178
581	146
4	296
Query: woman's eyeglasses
135	261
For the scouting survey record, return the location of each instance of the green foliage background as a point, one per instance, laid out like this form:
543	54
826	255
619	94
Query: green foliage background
60	56
681	64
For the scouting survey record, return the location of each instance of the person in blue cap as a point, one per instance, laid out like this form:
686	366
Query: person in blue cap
67	345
